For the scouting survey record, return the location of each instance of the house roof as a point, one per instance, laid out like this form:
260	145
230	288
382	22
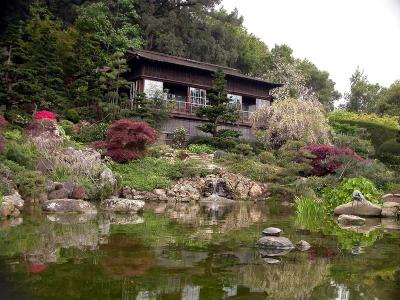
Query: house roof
160	57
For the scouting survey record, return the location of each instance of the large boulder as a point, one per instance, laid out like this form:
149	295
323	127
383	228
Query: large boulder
391	210
121	205
350	220
362	208
68	206
275	242
15	199
62	193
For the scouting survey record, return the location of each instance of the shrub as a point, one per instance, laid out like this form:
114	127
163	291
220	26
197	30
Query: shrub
179	137
44	114
17	117
68	127
359	145
24	154
290	120
243	149
92	133
343	193
267	157
45	134
182	154
385	121
13	134
321	152
126	140
389	152
215	142
72	115
3	122
228	133
200	149
30	184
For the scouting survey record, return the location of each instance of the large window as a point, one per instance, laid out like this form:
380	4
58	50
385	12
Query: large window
153	89
236	101
198	96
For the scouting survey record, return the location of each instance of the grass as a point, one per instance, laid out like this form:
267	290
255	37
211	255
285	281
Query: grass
150	173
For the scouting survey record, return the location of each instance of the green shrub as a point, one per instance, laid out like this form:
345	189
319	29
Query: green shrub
343	193
359	145
24	154
179	137
228	133
243	149
72	115
68	127
30	184
385	121
309	208
191	168
17	117
92	133
389	152
13	134
215	142
200	149
267	157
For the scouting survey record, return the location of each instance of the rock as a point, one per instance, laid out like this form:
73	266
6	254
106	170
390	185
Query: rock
303	246
350	220
241	190
255	191
371	224
68	206
15	199
391	198
122	205
58	194
126	192
79	192
69	219
58	185
391	210
271	261
15	213
69	186
271	231
364	208
275	242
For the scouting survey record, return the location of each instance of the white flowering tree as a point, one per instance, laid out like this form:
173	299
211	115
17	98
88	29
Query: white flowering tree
292	119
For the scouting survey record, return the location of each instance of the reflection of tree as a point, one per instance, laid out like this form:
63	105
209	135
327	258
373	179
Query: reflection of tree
289	280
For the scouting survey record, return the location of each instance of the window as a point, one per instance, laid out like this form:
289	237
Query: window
235	100
153	89
198	96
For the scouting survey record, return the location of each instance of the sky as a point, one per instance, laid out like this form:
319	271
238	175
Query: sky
336	35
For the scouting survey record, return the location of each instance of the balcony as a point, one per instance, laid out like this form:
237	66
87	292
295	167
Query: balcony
183	108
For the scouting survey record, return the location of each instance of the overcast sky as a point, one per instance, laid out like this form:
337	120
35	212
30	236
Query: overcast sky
336	35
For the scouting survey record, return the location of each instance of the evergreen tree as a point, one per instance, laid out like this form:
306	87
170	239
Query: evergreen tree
218	107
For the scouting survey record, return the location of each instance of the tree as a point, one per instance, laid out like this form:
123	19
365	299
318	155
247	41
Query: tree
127	140
218	109
289	119
363	94
389	100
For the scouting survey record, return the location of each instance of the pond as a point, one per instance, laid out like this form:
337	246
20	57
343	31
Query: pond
186	251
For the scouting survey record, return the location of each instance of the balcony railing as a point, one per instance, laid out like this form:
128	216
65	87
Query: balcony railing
190	109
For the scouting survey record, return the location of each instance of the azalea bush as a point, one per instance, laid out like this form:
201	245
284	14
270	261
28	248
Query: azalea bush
292	119
322	166
44	114
126	140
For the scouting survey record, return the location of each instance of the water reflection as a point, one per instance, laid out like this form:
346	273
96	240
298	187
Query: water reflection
186	251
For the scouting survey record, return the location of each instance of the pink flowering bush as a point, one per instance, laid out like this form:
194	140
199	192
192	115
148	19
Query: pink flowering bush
45	134
44	114
324	162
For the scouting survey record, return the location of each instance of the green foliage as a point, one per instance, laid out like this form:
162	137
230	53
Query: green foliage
343	193
389	100
309	209
243	149
179	137
24	154
218	110
266	157
384	121
362	93
200	149
151	173
72	115
30	184
389	152
13	134
215	142
68	127
228	133
361	146
92	133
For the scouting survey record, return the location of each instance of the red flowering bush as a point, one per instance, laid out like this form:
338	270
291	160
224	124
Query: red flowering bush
324	162
126	140
44	114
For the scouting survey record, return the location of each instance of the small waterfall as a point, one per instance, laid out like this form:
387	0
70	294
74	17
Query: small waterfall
217	191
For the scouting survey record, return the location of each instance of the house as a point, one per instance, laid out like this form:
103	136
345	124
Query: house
185	82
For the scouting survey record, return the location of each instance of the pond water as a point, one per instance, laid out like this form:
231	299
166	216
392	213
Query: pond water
183	251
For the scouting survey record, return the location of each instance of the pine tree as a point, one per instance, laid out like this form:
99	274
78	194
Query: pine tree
218	109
